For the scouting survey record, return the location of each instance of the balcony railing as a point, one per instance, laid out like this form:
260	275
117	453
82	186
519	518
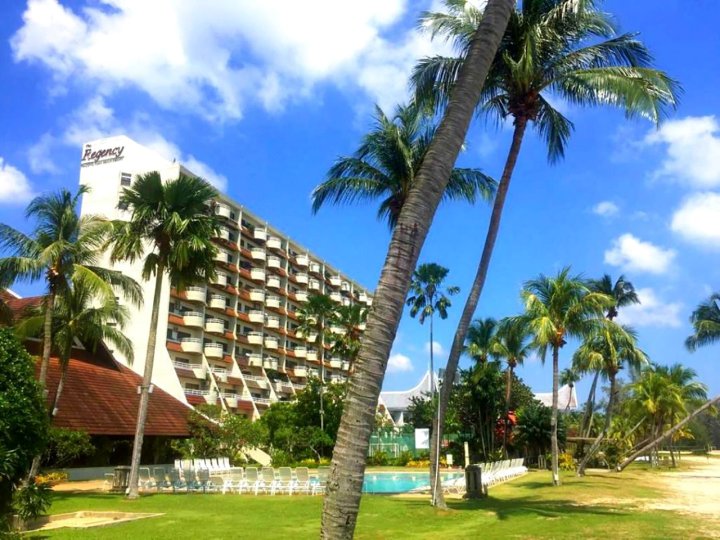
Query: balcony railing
258	254
335	296
272	301
273	282
221	256
335	281
300	371
222	210
218	301
257	274
256	316
273	242
273	322
216	326
195	294
302	278
274	262
196	392
255	360
315	268
257	295
224	233
271	343
255	338
193	318
302	260
191	345
220	279
300	352
302	296
270	363
260	234
214	350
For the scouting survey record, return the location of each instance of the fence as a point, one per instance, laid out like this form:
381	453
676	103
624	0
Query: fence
393	444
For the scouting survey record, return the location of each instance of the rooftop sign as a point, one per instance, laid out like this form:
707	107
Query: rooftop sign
92	157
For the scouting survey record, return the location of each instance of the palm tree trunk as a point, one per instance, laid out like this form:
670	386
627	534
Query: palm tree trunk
590	407
436	495
59	390
669	433
508	392
601	436
133	492
479	282
554	418
344	485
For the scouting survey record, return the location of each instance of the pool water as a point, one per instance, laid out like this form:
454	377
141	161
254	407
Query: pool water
400	482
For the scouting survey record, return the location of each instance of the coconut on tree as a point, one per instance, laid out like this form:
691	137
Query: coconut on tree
170	230
552	51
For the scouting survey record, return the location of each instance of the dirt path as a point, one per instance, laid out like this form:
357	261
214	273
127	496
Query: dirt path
696	491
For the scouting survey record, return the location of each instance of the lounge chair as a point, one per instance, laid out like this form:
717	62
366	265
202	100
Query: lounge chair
233	480
321	481
176	481
203	480
302	480
189	479
251	481
267	481
285	480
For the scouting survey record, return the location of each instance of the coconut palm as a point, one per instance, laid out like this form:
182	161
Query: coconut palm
170	228
558	308
552	49
85	314
62	247
623	292
512	344
706	323
314	319
480	339
386	164
351	319
344	486
610	348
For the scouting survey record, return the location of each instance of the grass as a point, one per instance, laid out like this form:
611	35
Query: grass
597	506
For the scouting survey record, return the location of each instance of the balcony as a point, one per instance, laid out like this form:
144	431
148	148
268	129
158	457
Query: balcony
258	380
345	365
196	392
220	280
335	363
271	342
336	379
362	297
345	286
302	278
195	294
193	318
369	301
191	345
311	338
197	369
300	371
255	360
257	295
314	285
256	316
335	281
273	322
214	350
221	257
218	301
270	363
335	297
255	338
345	301
274	262
273	282
339	330
257	254
220	373
302	260
222	210
257	274
231	398
272	301
300	352
273	242
215	326
312	372
312	355
282	386
302	296
260	234
262	401
315	268
223	233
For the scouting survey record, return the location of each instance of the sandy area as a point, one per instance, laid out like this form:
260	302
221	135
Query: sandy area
694	492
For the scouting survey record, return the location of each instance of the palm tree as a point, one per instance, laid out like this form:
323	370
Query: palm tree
511	343
351	319
386	164
344	486
568	377
558	308
623	292
480	339
85	314
63	247
544	54
427	297
314	318
706	323
608	349
170	228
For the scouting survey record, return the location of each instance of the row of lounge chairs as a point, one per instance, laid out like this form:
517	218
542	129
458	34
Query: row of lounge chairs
209	464
235	480
500	471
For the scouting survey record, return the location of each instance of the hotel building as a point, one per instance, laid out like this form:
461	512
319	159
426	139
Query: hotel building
233	341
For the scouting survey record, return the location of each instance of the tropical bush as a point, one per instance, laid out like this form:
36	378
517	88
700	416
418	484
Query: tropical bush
66	446
566	462
32	500
51	479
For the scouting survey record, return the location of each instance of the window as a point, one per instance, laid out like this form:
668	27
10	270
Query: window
125	179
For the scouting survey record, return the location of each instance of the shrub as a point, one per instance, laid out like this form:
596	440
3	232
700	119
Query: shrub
51	479
378	459
32	500
281	458
403	459
65	446
566	462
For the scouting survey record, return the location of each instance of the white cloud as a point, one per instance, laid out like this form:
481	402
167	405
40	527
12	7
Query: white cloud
632	254
399	363
14	185
94	120
438	349
651	311
698	219
606	209
212	58
693	150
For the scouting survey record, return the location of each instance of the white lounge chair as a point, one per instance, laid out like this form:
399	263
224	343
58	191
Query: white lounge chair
284	481
321	480
251	481
267	481
302	480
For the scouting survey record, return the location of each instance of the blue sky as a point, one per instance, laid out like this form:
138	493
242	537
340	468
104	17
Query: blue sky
261	97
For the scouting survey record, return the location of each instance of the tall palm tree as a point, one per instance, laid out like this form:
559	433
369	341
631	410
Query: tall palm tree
314	318
351	319
706	323
623	292
344	486
558	308
480	339
565	49
386	164
512	344
170	228
610	348
62	247
427	297
85	314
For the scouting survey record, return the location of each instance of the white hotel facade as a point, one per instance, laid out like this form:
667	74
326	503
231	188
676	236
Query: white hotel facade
233	342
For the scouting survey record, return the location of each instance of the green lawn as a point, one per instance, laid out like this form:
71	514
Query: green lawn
597	506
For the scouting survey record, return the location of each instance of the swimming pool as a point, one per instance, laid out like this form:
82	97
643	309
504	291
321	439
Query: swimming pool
400	482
